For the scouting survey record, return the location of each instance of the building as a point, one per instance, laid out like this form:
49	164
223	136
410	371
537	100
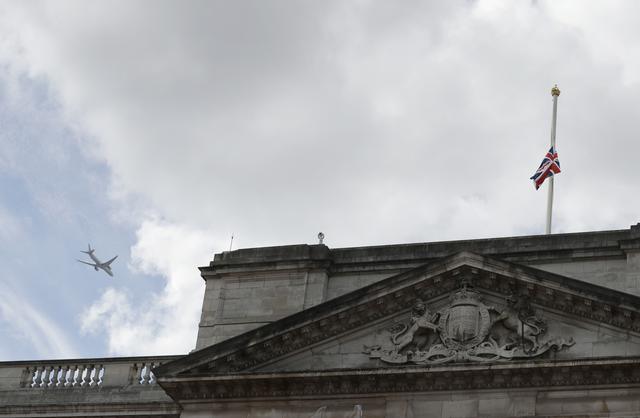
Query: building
523	326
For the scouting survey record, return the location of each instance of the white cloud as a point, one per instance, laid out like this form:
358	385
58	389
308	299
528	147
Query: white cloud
374	122
611	31
155	323
27	322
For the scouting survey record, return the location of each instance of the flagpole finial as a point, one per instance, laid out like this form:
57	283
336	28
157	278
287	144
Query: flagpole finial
555	91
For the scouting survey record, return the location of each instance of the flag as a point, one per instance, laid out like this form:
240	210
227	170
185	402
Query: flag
549	166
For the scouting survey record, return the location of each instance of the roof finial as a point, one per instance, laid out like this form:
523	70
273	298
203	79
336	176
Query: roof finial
555	91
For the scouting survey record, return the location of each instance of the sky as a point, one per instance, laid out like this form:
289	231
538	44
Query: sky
155	130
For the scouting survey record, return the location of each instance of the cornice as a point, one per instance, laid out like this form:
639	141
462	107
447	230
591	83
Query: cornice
512	375
522	249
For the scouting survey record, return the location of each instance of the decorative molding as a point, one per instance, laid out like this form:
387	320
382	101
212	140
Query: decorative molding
574	374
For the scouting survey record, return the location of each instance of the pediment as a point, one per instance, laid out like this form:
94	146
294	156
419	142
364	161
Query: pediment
468	326
580	320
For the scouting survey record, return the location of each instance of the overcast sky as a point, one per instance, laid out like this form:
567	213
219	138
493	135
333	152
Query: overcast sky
154	130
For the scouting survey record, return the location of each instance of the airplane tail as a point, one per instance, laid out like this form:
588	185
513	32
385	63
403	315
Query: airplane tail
90	251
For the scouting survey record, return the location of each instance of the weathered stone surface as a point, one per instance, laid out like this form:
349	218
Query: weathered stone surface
538	403
608	258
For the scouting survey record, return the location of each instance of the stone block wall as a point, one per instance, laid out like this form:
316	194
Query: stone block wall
242	297
611	273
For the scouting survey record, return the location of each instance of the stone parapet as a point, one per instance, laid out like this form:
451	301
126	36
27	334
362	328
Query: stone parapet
94	387
523	249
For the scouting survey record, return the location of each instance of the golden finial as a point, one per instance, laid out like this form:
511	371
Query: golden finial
555	91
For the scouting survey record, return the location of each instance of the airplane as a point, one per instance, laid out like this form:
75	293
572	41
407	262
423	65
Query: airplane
106	266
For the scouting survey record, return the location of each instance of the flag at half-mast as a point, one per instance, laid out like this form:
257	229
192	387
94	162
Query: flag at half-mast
549	166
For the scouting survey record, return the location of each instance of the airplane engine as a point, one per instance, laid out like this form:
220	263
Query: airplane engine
96	268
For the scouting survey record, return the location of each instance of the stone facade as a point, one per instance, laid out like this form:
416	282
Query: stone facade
523	326
252	287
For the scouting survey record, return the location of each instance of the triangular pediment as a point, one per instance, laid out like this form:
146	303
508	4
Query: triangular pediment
452	329
580	320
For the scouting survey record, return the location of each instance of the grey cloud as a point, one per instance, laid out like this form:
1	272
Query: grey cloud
374	121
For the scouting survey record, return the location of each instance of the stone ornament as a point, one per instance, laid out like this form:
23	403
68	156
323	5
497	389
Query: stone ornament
468	330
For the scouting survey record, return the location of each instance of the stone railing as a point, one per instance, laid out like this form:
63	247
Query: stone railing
85	373
121	387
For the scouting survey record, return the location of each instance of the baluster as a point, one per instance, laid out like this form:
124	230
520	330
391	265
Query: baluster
43	376
34	377
48	376
147	374
99	375
152	377
37	376
74	375
51	371
51	378
66	380
66	370
56	376
62	375
144	374
85	375
68	376
91	376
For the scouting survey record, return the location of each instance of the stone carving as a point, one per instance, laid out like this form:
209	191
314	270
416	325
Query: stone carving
468	330
423	323
518	317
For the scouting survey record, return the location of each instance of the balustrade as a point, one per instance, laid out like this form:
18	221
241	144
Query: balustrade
85	374
70	375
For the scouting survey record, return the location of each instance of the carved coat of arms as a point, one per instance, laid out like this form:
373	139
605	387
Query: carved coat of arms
463	332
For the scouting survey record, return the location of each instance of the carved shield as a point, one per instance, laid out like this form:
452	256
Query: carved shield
465	323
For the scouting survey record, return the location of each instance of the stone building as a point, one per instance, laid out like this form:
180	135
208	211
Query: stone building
523	326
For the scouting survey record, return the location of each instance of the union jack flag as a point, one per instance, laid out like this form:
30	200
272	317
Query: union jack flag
549	166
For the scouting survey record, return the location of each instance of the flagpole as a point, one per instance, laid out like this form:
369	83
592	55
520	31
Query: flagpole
555	92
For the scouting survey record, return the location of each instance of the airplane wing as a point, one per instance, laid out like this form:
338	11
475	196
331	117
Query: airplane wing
84	262
107	263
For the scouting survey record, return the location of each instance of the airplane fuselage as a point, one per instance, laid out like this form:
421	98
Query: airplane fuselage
94	258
